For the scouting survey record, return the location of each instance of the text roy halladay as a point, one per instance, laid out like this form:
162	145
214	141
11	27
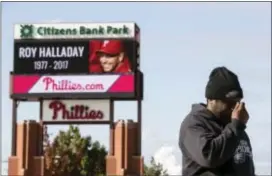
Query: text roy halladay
51	52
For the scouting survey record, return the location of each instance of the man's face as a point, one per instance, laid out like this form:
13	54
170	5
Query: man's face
225	107
110	62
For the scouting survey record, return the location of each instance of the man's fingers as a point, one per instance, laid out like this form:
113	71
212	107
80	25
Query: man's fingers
241	106
236	106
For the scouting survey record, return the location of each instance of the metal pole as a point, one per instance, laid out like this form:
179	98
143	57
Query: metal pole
111	148
139	115
14	127
41	141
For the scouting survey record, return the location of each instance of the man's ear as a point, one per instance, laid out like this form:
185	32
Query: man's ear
121	57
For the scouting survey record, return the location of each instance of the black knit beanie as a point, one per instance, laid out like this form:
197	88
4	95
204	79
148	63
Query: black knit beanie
223	84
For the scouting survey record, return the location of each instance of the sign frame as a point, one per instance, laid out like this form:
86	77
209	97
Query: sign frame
137	94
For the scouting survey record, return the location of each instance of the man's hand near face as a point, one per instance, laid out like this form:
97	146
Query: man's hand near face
240	113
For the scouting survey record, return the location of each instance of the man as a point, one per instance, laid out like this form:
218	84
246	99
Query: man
112	57
212	137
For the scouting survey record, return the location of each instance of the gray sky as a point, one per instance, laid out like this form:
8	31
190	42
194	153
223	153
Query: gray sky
181	44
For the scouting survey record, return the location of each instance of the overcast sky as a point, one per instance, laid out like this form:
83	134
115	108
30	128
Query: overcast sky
181	44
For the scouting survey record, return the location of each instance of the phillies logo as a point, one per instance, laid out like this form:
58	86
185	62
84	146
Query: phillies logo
67	85
60	85
75	112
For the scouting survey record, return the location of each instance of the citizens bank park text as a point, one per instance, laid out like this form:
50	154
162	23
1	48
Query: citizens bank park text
83	31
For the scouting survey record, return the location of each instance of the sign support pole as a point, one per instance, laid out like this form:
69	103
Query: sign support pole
14	127
139	116
111	148
41	144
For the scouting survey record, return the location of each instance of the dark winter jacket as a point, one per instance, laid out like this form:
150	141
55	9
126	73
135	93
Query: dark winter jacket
211	148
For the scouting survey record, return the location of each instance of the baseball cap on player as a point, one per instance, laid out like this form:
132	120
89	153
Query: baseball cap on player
111	47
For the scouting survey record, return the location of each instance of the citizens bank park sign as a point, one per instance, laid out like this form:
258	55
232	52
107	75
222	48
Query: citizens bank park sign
75	111
88	61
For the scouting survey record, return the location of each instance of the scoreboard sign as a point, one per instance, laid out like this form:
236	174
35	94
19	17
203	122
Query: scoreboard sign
78	54
66	56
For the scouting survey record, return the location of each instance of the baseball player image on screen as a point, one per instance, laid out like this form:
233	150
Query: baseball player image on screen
112	58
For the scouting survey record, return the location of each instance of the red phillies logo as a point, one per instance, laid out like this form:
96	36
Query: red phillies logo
60	85
75	112
64	84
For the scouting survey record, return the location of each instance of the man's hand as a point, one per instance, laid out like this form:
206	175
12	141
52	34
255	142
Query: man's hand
240	113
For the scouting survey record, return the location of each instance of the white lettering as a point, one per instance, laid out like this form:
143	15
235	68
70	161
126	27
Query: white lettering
242	151
80	50
58	52
27	52
42	51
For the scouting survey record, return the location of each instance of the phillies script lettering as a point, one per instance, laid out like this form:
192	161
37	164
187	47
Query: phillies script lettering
60	85
76	112
68	85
